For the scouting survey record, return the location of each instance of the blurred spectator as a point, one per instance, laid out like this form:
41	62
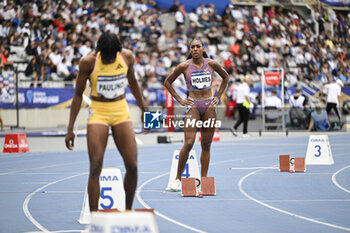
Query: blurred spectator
273	100
243	105
231	101
333	91
160	71
242	38
63	70
31	49
273	106
319	119
3	93
180	15
55	58
85	48
174	8
214	36
259	57
145	93
48	69
4	58
299	109
33	70
26	29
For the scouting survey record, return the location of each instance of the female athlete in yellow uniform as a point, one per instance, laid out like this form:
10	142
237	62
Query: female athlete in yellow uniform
110	70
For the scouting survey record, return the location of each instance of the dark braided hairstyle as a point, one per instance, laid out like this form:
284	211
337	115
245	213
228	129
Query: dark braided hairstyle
108	45
205	55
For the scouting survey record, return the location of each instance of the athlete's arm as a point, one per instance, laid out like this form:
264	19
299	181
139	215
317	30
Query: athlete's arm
134	86
85	67
171	78
224	75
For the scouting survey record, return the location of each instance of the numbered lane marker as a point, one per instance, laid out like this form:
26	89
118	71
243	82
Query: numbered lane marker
134	221
112	194
191	168
319	151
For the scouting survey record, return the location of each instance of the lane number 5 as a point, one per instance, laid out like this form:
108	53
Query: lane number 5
106	196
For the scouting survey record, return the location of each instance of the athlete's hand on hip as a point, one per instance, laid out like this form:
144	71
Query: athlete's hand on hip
215	101
70	140
186	102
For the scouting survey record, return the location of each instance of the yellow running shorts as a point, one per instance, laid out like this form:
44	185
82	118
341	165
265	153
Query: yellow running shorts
109	113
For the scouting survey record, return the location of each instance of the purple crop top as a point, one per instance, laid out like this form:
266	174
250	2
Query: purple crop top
199	79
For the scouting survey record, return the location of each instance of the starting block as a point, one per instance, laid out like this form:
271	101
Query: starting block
291	164
188	187
109	211
117	211
145	210
299	165
284	163
208	186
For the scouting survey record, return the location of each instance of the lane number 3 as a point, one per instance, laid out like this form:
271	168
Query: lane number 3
318	150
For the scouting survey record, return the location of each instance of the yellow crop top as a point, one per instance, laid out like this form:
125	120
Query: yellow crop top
109	80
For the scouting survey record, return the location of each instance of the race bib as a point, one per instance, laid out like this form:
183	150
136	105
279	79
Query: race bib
201	79
111	87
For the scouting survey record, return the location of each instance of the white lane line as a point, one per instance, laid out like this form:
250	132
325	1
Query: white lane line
150	173
28	169
16	173
27	199
48	192
63	231
63	191
13	156
42	173
334	180
138	141
295	173
139	198
246	199
251	168
263	145
234	160
226	143
319	200
138	195
240	183
17	183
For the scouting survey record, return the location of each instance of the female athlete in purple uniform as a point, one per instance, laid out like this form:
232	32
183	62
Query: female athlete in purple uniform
198	71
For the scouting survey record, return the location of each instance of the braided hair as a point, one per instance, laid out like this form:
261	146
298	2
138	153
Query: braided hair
108	45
